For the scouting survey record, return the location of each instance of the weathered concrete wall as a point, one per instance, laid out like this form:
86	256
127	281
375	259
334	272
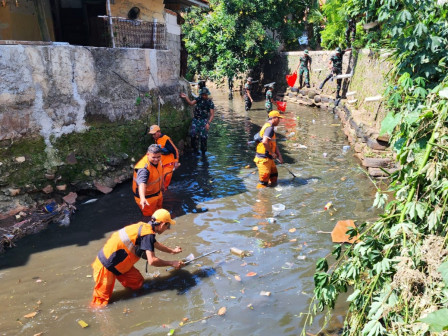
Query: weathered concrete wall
50	90
75	118
368	80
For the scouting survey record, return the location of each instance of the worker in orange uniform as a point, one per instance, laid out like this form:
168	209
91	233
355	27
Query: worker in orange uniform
170	154
267	151
147	184
123	249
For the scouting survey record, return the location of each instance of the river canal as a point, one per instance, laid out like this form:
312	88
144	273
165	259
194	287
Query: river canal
217	207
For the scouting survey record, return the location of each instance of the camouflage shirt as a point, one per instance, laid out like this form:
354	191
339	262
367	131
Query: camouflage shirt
337	60
304	61
202	108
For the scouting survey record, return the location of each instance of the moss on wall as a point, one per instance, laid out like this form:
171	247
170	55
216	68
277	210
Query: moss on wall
103	148
31	171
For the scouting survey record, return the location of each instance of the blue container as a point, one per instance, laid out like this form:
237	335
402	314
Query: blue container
50	207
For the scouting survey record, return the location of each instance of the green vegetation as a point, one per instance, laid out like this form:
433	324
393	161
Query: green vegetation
29	172
395	272
236	35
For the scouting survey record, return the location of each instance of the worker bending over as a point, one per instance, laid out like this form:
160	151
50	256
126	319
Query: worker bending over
123	249
267	151
147	184
170	154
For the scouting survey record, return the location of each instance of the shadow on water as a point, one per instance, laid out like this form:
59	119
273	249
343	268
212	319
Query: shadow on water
180	281
199	179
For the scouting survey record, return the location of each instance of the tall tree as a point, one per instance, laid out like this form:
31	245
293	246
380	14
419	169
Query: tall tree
235	35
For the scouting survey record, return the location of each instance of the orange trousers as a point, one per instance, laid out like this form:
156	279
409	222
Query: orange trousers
167	172
267	171
105	282
155	203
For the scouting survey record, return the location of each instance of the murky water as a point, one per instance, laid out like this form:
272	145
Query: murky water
217	207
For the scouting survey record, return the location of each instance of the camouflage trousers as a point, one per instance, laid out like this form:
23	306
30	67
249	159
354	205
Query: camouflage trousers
199	132
268	106
306	72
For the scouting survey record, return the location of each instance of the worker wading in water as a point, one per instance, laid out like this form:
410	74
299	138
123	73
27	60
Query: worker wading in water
304	69
147	184
123	249
248	94
335	65
204	112
267	151
269	100
170	154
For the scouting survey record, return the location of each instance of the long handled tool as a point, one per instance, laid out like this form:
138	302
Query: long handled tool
287	169
191	260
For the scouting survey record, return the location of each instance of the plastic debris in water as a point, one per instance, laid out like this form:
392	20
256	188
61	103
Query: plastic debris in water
222	311
325	154
301	257
171	332
314	121
302	146
251	274
278	207
82	323
50	207
237	251
271	220
345	148
328	205
264	293
91	201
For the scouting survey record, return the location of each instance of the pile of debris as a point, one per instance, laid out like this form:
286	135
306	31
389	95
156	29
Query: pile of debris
33	222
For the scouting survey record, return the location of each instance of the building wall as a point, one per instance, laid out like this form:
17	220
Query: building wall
53	90
21	23
149	9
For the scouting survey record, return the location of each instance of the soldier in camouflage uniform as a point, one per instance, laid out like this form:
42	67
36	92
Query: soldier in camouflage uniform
204	113
335	65
305	67
269	99
247	94
351	30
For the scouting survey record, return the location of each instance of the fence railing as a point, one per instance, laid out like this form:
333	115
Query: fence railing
127	33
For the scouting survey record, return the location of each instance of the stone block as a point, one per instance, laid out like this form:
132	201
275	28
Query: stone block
372	143
376	162
377	172
70	198
104	189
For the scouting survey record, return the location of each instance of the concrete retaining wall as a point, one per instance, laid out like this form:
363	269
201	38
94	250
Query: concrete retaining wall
369	71
51	90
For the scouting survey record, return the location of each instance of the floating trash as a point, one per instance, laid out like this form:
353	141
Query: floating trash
328	205
237	252
271	220
345	148
90	201
301	257
264	293
325	155
278	207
